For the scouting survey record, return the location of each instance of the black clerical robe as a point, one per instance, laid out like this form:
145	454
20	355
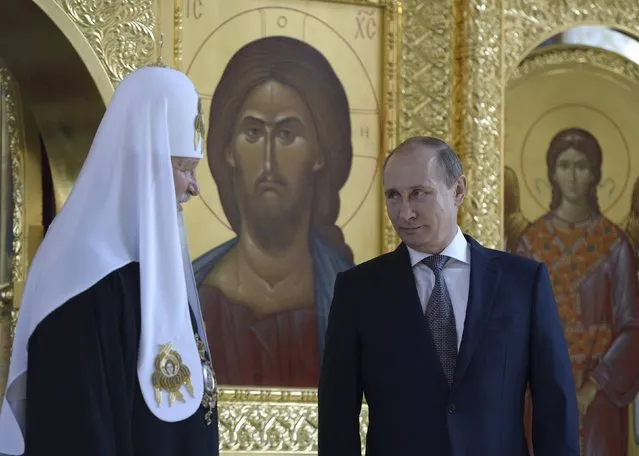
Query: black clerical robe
82	385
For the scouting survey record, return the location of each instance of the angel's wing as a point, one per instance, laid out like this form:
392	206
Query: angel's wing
514	220
631	224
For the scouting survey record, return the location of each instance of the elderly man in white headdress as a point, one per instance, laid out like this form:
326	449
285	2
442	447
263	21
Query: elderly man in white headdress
110	356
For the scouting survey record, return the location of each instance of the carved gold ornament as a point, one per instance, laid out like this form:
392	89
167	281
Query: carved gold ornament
122	34
170	375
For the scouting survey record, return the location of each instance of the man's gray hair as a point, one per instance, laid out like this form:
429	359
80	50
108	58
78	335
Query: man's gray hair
447	159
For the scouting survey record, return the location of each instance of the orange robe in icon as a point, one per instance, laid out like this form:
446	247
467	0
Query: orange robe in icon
593	274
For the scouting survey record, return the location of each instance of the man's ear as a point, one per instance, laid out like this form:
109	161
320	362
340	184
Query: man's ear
230	158
319	163
461	187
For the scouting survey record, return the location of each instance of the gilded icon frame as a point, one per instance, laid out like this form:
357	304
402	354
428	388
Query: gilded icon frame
525	28
496	37
284	420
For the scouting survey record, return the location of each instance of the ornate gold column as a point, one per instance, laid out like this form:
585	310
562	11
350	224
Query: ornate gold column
479	115
429	32
13	213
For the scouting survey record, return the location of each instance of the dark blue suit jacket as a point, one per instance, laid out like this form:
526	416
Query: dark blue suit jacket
378	344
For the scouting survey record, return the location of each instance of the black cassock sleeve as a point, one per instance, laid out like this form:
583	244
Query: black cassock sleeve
81	372
83	394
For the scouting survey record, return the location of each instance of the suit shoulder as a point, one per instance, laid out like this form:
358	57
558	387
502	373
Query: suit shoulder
515	263
368	268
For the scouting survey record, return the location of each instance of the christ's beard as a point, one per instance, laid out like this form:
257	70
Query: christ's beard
273	226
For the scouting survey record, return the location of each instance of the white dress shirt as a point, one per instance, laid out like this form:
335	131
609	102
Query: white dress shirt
456	274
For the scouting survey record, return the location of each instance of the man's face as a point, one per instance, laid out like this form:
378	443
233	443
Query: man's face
421	206
184	178
274	154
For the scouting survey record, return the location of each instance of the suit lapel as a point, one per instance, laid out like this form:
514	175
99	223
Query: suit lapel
484	280
403	292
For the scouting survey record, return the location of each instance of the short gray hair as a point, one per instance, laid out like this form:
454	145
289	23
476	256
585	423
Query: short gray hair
447	159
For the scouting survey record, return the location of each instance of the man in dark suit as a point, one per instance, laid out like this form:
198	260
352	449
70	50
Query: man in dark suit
443	336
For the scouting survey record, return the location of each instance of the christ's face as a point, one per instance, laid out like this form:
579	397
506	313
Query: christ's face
274	155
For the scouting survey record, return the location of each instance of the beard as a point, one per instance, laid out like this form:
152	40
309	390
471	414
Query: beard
183	198
272	222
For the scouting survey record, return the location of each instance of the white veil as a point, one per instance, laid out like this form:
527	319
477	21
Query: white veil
122	208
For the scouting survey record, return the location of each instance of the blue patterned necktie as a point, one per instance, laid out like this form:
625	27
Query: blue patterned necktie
441	318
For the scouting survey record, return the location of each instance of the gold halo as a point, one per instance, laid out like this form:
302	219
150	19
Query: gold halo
601	126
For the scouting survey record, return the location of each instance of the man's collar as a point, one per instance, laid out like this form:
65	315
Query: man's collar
457	250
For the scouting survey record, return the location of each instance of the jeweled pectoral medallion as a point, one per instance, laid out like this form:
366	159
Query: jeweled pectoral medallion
170	375
209	378
209	399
